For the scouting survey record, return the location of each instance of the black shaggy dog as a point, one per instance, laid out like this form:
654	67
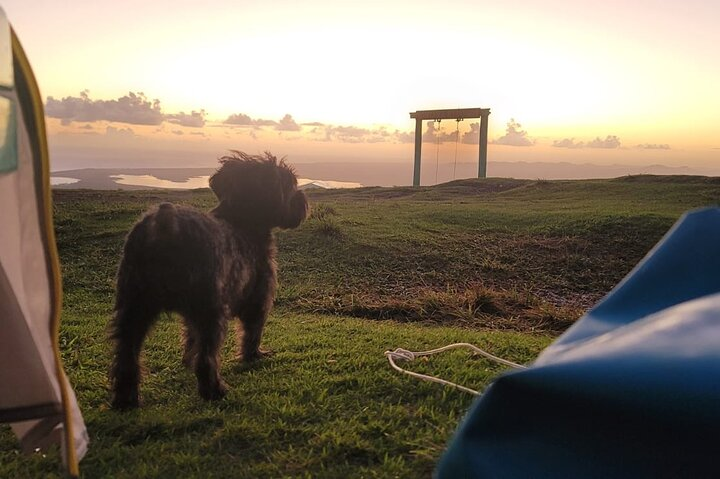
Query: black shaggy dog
207	267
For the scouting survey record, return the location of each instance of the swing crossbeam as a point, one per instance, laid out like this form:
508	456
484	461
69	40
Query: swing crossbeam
451	114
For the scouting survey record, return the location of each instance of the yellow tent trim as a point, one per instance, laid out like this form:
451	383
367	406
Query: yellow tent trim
41	140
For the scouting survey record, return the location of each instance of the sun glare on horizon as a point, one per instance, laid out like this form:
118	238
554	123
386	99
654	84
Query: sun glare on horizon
570	73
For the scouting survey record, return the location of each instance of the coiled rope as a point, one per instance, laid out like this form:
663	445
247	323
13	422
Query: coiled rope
404	354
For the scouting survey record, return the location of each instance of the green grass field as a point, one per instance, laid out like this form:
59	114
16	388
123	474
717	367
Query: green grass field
504	264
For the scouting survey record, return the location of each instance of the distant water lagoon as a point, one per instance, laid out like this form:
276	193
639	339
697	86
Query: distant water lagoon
154	182
306	183
151	181
61	180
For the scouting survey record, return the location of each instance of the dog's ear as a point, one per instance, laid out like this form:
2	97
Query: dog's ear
296	211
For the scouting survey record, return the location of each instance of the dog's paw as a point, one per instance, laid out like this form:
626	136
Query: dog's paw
257	355
213	393
125	402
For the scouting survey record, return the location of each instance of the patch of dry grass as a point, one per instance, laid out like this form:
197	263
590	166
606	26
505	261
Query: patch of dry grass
475	307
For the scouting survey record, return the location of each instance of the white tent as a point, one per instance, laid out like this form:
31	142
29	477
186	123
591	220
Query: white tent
35	395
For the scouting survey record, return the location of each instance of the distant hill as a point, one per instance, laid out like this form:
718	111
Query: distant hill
384	174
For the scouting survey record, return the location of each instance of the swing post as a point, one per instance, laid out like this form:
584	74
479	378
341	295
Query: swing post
418	146
482	153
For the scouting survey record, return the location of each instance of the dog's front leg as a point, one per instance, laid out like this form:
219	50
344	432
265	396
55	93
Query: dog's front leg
250	330
189	345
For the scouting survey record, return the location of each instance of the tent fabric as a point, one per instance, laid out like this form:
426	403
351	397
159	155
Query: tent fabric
35	395
631	390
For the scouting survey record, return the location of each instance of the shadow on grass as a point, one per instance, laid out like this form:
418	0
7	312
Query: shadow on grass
133	428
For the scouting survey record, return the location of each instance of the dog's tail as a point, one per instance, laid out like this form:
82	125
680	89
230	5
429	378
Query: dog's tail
165	222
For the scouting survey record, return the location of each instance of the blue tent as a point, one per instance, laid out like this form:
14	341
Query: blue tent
631	390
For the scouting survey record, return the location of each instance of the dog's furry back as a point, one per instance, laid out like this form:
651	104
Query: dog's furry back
188	257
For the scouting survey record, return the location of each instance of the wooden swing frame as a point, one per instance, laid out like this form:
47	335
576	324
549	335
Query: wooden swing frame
455	114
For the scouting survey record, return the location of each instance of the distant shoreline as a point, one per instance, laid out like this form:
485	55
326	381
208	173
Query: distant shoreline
366	174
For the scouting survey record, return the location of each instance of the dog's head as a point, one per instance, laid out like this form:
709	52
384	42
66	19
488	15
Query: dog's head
258	190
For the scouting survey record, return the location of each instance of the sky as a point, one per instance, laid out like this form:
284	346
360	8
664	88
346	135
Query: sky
178	83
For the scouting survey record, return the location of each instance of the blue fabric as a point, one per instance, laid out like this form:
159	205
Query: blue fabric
631	390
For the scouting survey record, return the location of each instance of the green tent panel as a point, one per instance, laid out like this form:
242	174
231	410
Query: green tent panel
35	395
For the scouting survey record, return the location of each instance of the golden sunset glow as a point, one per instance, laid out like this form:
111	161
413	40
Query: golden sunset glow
571	74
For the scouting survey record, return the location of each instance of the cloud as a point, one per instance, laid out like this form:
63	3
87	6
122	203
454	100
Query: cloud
356	134
568	143
241	119
353	134
472	137
345	134
404	136
196	119
119	132
379	135
318	131
610	141
653	146
287	124
261	122
349	134
514	136
133	108
435	133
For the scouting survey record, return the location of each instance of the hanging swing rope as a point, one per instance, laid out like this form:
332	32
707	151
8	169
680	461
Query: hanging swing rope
437	151
404	354
457	137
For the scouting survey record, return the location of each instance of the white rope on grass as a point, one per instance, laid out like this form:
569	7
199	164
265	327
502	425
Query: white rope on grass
406	355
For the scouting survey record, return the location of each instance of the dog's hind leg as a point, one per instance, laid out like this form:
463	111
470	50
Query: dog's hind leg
209	337
129	327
